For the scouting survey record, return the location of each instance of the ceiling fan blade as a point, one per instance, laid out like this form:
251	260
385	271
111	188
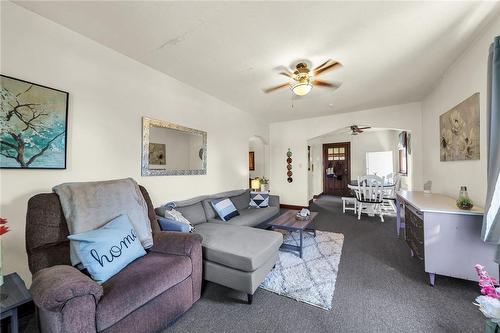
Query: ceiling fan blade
329	67
325	84
287	74
323	64
366	127
268	90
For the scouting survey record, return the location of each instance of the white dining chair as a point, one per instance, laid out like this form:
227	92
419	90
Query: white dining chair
393	182
370	195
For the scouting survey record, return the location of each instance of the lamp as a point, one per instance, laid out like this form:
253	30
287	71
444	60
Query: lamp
303	87
255	184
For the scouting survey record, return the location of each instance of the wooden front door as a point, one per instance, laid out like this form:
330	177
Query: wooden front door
336	168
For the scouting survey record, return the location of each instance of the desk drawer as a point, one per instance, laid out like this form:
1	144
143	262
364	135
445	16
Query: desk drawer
414	225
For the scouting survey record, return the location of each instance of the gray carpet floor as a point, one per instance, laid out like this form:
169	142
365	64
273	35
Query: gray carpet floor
380	288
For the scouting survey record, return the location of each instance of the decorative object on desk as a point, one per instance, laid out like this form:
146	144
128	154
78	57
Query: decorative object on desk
264	184
459	131
289	166
251	161
33	122
428	187
320	261
489	302
463	201
157	153
3	230
255	184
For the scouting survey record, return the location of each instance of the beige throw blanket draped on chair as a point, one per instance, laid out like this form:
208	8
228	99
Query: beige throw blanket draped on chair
90	205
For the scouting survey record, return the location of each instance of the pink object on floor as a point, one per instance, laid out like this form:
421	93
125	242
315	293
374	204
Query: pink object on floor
489	286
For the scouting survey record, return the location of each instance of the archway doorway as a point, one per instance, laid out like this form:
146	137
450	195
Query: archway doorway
258	155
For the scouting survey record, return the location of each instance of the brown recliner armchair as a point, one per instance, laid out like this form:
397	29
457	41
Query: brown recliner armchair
144	297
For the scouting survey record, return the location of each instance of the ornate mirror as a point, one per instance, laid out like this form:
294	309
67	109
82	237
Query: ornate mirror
172	150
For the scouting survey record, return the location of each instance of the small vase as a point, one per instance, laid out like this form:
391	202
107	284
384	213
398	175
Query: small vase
264	187
463	193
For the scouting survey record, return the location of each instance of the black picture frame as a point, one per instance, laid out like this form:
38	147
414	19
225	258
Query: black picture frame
66	94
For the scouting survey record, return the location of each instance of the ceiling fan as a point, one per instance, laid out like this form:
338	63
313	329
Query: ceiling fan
304	79
355	129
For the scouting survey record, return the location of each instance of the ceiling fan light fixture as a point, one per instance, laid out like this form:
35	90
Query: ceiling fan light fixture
302	88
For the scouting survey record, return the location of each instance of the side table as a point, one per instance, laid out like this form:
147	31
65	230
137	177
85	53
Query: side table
13	294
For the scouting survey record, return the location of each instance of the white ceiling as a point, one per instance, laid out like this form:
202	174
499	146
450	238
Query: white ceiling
393	52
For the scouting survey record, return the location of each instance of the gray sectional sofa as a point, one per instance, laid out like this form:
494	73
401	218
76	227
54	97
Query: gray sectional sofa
238	253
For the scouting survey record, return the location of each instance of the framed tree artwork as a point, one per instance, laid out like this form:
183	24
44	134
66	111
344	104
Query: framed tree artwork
33	125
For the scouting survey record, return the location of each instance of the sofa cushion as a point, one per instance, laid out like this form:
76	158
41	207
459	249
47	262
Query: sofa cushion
242	248
252	217
194	213
149	275
241	201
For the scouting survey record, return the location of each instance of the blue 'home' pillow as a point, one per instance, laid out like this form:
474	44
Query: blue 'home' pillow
225	208
107	250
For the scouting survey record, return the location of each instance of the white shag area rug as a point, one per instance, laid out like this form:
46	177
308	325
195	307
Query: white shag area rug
310	279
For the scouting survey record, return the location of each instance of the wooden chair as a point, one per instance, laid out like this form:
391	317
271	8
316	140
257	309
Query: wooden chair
370	195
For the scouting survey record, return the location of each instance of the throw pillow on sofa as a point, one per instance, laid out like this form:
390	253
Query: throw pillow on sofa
177	216
259	199
225	208
168	224
107	250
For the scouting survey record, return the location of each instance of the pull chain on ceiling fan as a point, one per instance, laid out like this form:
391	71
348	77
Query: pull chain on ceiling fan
305	79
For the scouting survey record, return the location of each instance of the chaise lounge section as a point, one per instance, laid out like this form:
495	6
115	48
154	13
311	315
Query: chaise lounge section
238	253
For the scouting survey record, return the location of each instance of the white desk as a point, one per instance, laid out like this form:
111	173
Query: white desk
452	242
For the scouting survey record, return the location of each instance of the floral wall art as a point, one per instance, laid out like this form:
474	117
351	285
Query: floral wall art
459	131
33	125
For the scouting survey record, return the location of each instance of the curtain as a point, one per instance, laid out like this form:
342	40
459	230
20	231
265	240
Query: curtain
491	220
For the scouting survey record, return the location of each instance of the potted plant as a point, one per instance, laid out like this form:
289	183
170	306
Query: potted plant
465	203
264	184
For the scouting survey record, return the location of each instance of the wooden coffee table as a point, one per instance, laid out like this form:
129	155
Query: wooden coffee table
287	221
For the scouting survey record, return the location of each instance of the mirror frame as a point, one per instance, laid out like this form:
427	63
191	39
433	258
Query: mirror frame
147	123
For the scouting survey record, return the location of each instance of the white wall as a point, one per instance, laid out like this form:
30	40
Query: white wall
465	77
370	141
108	95
295	134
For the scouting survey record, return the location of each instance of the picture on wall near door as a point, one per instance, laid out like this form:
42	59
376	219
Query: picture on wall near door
251	161
459	131
33	125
